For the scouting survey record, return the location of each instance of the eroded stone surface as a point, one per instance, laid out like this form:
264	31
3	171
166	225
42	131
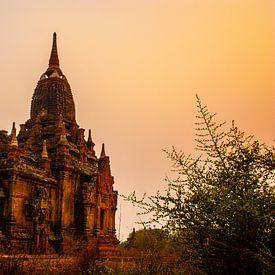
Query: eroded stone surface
55	193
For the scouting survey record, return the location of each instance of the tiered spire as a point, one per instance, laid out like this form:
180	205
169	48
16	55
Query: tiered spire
14	141
44	153
90	142
44	160
103	154
62	130
54	61
90	137
53	92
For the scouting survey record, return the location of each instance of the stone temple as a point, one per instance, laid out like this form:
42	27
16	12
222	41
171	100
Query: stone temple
55	193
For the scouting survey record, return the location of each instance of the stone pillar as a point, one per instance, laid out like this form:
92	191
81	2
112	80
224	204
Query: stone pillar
113	220
109	221
97	221
85	219
11	222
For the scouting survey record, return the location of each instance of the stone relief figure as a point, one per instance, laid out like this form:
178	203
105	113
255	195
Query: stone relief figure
89	191
39	208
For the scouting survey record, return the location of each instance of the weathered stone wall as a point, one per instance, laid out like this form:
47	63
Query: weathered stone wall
55	190
22	191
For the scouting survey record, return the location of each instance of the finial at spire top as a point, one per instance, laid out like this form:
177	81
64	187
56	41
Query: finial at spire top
54	61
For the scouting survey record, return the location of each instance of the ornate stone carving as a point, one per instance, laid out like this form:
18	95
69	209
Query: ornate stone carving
58	189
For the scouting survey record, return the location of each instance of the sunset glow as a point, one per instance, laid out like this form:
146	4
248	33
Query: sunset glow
135	66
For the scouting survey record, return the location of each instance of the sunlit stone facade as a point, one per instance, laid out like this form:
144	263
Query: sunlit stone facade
55	193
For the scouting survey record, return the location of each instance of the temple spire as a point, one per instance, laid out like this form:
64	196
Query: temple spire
63	137
54	61
90	136
90	142
44	150
14	141
103	154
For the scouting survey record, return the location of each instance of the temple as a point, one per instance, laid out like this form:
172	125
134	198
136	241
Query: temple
55	193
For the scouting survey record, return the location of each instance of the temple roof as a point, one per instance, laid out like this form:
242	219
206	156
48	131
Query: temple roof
52	95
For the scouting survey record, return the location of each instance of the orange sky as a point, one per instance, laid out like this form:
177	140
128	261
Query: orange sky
134	67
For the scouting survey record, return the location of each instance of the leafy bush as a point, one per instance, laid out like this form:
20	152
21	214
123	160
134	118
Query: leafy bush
221	206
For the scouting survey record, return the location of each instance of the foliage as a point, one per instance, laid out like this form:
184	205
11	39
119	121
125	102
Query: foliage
87	261
222	203
151	262
148	239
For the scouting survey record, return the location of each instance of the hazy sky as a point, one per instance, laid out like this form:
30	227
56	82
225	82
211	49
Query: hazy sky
134	67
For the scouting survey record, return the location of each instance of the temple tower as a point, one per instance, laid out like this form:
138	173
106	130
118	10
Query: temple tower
54	190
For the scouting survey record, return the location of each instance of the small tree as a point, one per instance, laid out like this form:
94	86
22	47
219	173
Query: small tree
148	240
222	202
